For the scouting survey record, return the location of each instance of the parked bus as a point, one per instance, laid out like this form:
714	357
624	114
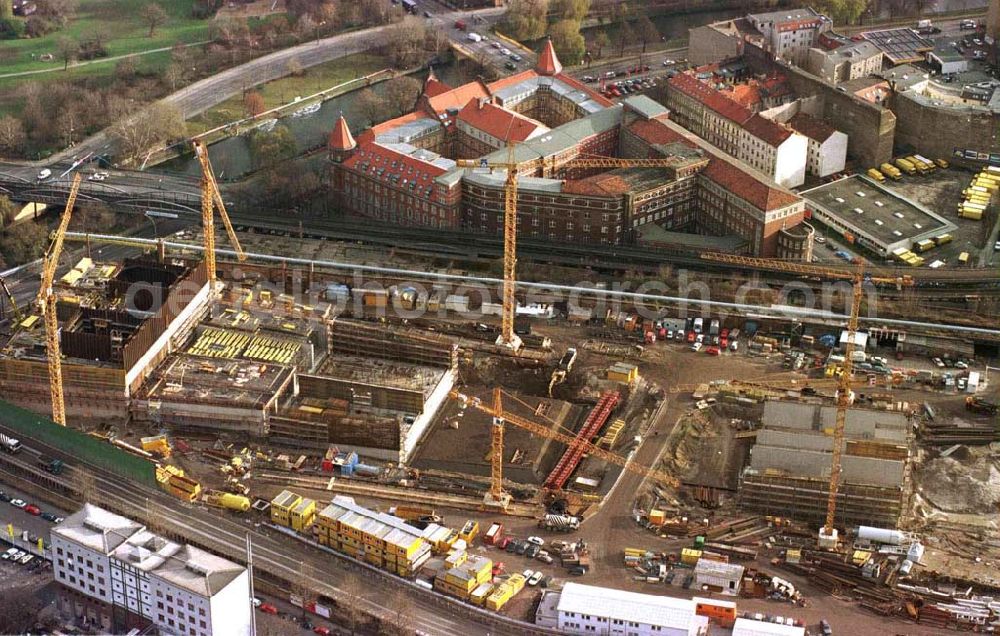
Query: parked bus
906	166
918	164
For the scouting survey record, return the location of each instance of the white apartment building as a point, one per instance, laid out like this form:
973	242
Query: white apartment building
121	575
790	33
601	611
776	150
827	146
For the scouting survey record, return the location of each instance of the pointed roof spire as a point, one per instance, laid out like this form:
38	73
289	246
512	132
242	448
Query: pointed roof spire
433	86
341	137
548	63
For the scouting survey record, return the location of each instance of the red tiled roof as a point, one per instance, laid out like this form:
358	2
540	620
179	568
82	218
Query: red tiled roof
394	163
746	186
746	95
597	185
580	86
811	127
498	122
458	97
433	86
720	169
511	80
548	63
711	98
340	136
771	132
386	126
656	132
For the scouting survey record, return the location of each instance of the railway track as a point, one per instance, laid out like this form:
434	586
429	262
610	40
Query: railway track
479	247
276	558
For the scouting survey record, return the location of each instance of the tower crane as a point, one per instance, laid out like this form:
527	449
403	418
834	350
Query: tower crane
211	199
13	303
497	497
513	167
47	305
827	534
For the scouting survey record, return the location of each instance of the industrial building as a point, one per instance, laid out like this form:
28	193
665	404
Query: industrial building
586	609
873	217
404	170
121	576
790	464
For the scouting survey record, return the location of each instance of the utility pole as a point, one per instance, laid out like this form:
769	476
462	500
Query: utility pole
253	610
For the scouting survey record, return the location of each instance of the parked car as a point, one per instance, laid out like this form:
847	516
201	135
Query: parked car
515	57
544	557
18	503
27	558
696	347
4	496
512	546
322	631
6	556
577	571
938	362
32	509
510	66
527	574
532	551
824	626
522	547
498	568
44	174
267	608
257	602
535	579
504	50
48	516
712	351
537	541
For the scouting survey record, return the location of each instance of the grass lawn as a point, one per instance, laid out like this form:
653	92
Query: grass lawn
281	91
119	20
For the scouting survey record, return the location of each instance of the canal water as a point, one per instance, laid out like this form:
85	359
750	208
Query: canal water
231	157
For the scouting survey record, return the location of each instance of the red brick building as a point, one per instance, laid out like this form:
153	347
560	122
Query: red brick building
404	172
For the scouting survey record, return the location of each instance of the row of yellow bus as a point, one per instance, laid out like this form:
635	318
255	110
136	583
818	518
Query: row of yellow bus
979	194
912	165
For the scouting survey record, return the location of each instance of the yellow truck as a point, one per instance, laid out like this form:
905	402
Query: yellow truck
875	174
906	166
942	239
890	171
918	164
923	246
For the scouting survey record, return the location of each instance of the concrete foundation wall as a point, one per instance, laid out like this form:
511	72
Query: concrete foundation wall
707	45
870	128
935	132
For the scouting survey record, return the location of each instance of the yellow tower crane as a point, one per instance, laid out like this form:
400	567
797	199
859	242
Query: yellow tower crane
18	316
47	305
827	534
513	168
211	199
497	497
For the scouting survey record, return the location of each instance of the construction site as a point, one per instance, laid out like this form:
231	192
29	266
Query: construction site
789	460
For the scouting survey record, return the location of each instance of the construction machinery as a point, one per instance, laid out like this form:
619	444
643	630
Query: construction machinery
211	199
828	534
514	168
13	303
47	305
499	499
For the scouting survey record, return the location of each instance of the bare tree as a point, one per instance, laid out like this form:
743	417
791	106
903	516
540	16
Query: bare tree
347	604
68	48
142	131
401	606
401	93
154	15
12	134
173	75
294	67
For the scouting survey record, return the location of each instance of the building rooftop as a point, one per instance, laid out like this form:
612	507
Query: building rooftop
500	123
887	426
786	15
812	127
712	99
878	212
900	45
433	86
97	528
718	568
645	106
749	627
548	63
664	611
341	137
811	464
854	51
653	234
146	551
769	131
389	528
198	571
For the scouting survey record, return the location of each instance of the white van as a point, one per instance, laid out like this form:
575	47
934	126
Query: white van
474	37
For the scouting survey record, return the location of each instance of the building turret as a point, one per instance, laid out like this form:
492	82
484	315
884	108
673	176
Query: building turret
548	63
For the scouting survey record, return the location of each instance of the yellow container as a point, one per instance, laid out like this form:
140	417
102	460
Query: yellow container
690	556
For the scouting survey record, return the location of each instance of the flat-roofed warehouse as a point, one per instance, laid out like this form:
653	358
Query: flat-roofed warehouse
878	219
790	462
901	45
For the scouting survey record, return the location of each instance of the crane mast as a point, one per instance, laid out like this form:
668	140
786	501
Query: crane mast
509	300
828	534
211	199
47	305
501	416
